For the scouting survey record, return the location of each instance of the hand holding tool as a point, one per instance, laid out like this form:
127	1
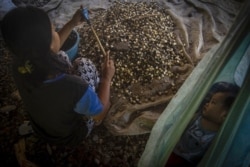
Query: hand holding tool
86	17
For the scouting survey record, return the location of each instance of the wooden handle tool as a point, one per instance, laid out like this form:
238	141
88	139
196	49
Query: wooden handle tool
86	17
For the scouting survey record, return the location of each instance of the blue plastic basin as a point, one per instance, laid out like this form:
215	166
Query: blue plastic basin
71	44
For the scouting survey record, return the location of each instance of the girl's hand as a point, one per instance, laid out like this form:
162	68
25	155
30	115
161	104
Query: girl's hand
108	68
77	18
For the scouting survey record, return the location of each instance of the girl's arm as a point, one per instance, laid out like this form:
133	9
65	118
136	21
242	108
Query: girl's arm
104	87
68	27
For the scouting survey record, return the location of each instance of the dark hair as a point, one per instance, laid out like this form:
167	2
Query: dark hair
225	87
27	31
229	101
222	87
229	88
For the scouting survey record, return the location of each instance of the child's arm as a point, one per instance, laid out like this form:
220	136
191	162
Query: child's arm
104	87
67	28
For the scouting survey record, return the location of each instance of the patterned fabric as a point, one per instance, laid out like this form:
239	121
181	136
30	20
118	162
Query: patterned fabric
64	56
87	71
84	68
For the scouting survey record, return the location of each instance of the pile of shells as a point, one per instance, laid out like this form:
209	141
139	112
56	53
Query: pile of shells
143	45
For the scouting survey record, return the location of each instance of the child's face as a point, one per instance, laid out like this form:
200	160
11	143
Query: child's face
214	110
55	42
